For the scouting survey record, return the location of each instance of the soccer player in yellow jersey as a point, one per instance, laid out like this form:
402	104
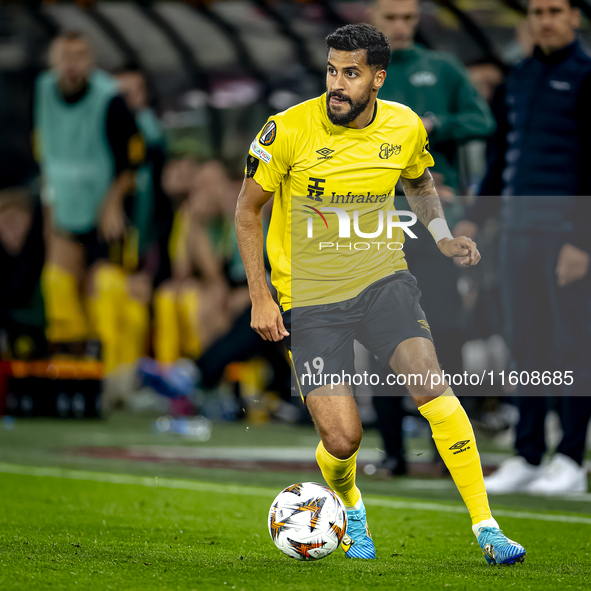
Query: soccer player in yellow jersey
334	244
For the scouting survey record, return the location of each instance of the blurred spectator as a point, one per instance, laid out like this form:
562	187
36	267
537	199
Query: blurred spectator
22	250
88	147
204	311
152	210
22	318
486	76
545	245
197	305
436	86
150	215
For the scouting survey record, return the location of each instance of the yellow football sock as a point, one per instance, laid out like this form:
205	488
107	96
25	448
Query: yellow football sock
339	475
108	305
188	312
167	347
66	320
134	333
455	441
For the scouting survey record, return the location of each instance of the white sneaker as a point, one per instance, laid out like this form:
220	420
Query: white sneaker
513	475
561	476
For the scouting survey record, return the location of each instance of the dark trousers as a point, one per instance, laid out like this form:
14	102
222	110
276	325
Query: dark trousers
548	328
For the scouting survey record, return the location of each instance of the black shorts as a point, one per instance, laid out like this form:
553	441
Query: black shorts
381	317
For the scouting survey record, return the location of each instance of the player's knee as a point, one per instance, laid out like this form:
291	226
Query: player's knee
344	444
423	393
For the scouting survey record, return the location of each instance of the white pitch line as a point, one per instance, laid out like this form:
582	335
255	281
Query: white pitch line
405	505
270	493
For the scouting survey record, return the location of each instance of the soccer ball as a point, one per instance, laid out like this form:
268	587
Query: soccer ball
307	521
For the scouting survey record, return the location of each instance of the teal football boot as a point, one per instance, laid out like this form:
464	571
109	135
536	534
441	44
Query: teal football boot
357	542
498	548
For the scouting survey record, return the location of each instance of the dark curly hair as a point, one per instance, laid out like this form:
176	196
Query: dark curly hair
571	3
354	37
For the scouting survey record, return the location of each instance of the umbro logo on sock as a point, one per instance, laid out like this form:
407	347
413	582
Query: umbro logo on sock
460	446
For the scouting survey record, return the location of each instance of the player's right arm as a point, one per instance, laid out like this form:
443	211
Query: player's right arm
266	316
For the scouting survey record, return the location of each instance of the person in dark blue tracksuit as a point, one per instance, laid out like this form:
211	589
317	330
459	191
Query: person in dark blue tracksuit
540	170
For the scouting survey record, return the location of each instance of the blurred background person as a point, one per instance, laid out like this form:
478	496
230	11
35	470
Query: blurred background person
88	147
150	215
540	164
437	87
22	249
203	313
488	76
152	210
22	253
193	307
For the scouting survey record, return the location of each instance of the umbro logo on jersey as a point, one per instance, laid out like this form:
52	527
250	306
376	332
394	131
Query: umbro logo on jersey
325	153
387	150
460	446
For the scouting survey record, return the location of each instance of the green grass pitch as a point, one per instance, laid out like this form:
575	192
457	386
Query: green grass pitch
67	529
72	521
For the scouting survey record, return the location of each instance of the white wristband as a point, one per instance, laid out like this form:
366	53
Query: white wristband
439	229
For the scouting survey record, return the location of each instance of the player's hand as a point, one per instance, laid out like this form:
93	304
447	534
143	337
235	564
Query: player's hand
461	248
267	321
573	264
112	225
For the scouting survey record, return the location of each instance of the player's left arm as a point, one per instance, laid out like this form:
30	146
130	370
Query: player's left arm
424	201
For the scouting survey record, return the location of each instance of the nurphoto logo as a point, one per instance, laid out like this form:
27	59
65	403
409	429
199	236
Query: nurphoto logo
387	222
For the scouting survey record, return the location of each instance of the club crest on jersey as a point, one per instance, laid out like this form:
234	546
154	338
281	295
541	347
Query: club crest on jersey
387	150
268	134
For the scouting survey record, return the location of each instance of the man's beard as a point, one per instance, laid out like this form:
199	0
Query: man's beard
357	107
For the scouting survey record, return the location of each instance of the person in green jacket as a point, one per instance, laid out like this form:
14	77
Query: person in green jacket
433	84
436	86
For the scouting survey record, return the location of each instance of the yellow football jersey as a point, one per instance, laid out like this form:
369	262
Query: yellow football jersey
334	227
